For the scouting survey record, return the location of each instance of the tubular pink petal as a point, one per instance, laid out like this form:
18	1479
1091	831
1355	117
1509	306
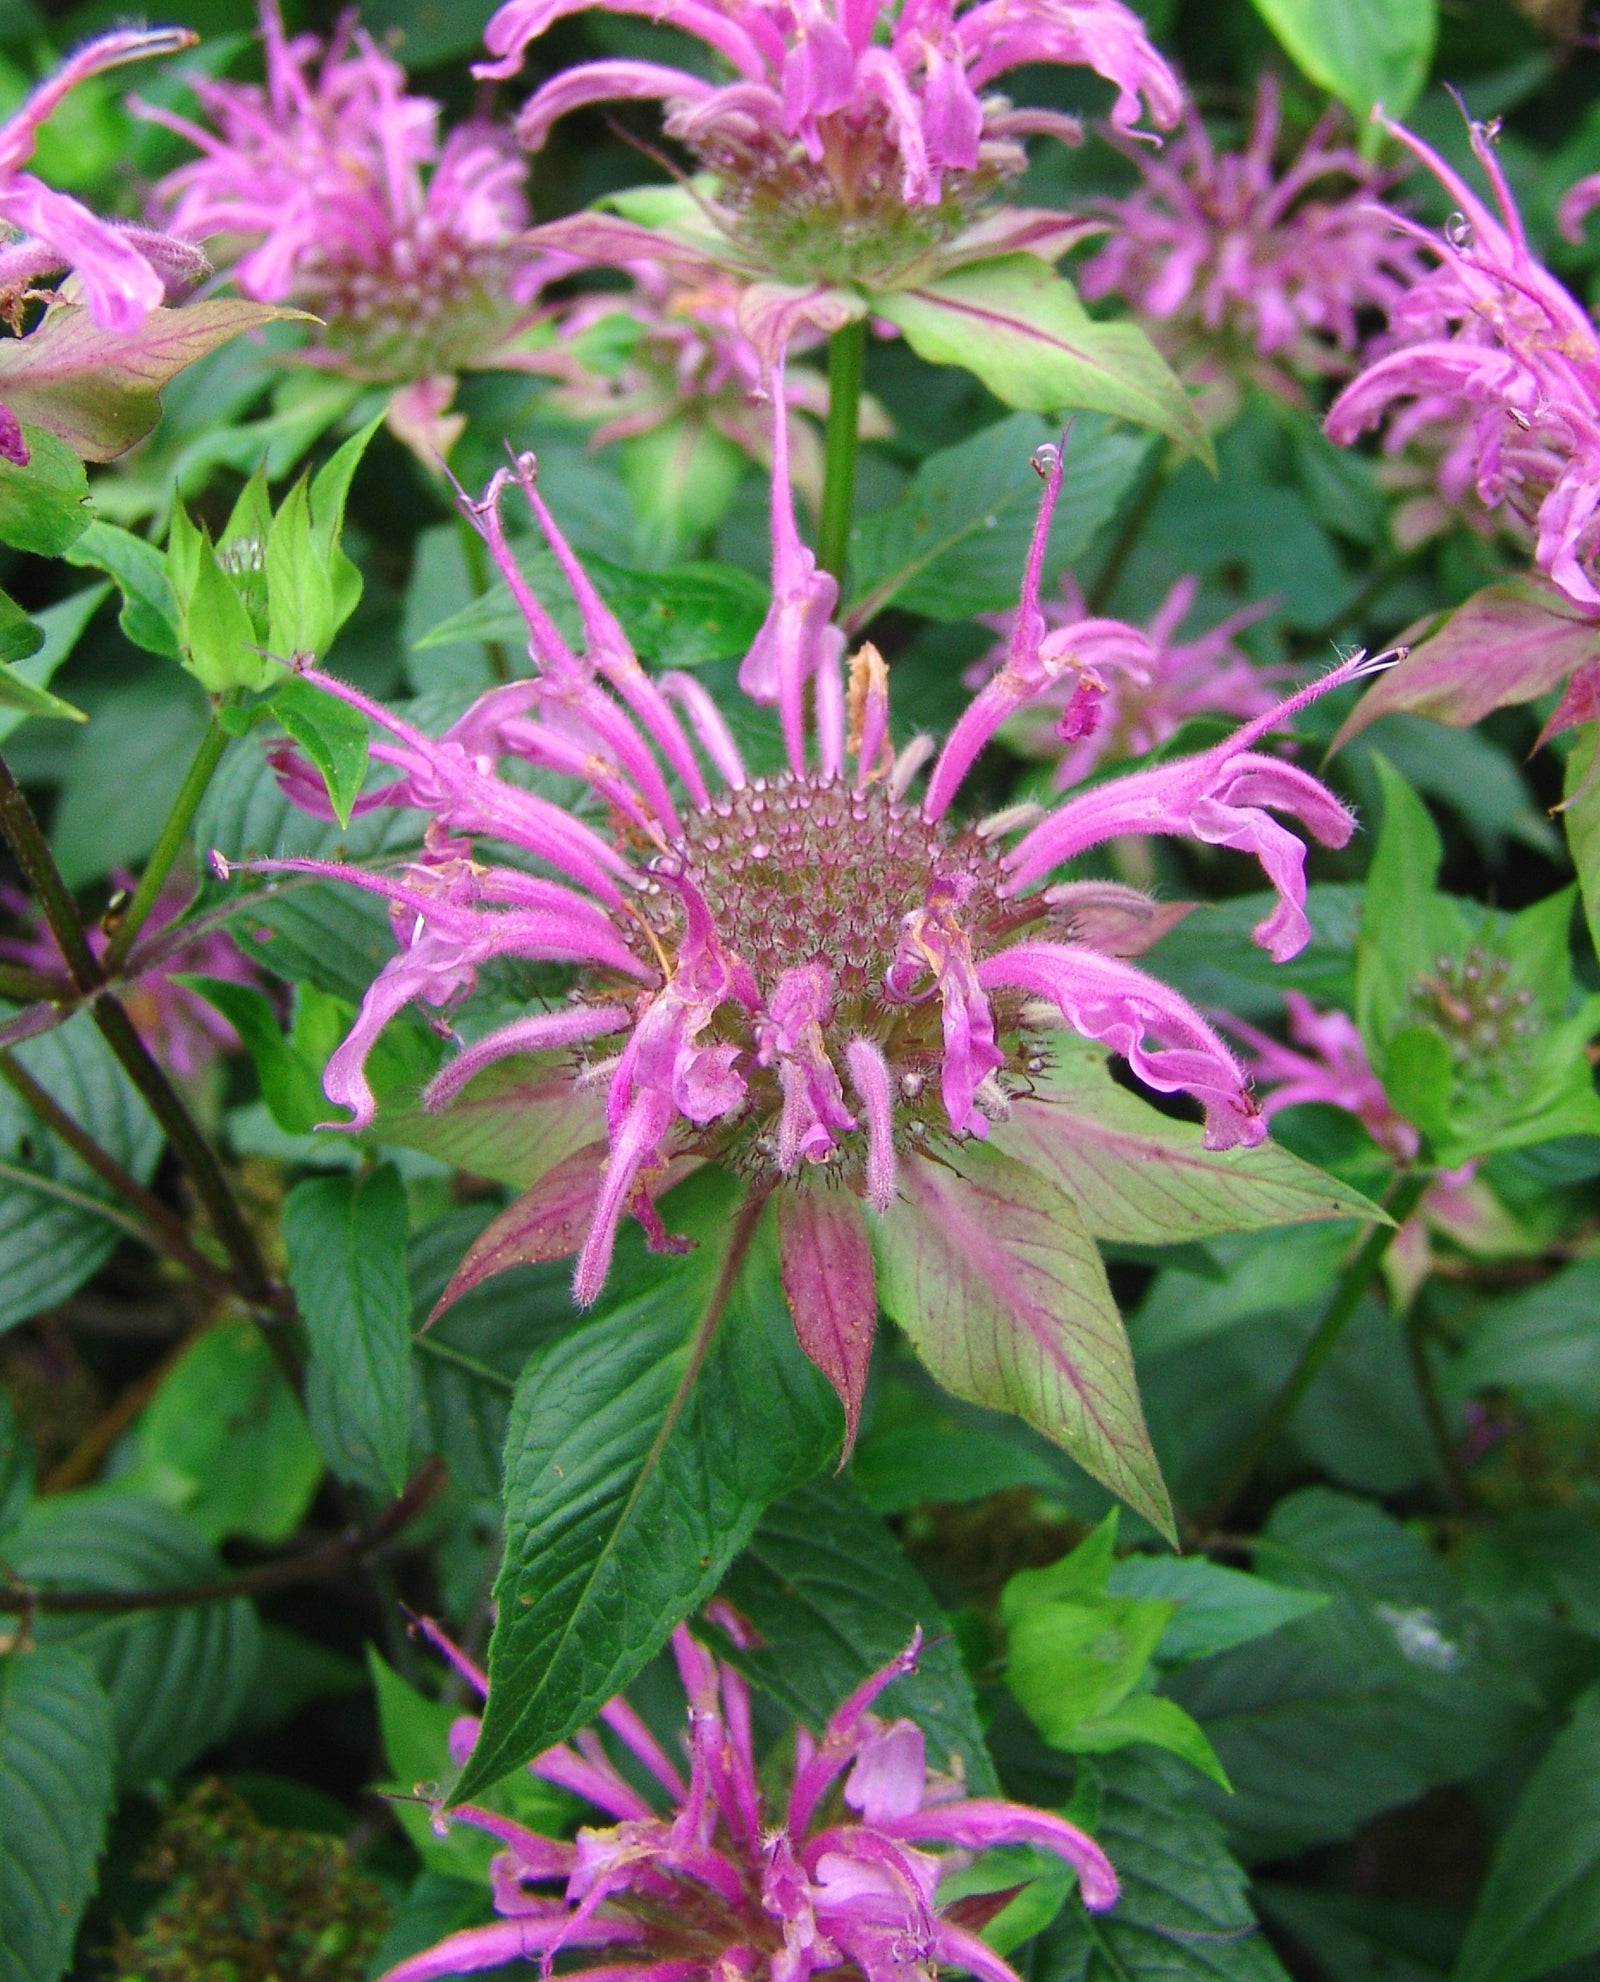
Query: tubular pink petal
870	1077
842	1739
603	82
1105	999
981	1823
536	1034
709	725
1023	674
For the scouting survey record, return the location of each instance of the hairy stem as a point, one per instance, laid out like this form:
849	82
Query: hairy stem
193	1151
168	846
847	367
1353	1282
327	1558
54	897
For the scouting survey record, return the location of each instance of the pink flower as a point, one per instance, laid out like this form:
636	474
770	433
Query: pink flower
1492	349
699	1877
1123	691
1326	1063
1261	270
336	192
810	969
842	111
178	1026
124	271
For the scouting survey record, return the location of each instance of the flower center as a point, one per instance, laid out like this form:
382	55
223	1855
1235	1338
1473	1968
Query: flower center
843	216
420	302
1468	999
809	874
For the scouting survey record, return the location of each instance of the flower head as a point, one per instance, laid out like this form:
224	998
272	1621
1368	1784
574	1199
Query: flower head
1256	269
341	198
806	969
1490	347
1122	691
123	271
851	129
1325	1062
177	1024
702	1879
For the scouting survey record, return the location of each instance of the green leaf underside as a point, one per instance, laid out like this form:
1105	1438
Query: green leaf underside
49	1247
987	1267
639	1458
1021	328
177	1678
57	1754
333	736
1141	1178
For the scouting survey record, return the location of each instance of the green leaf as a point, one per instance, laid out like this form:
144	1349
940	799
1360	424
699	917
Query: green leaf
1541	1345
177	1677
834	1598
100	390
987	1267
20	636
1395	1685
1405	924
299	588
1582	819
42	506
1184	1914
57	1756
329	489
1139	1177
682	617
1367	52
16	1468
224	1441
1217	1608
1021	328
62	625
17	693
638	1461
1152	1721
682	478
347	1264
956	541
149	614
899	1466
52	1236
1540	1906
332	734
291	1084
416	1746
220	644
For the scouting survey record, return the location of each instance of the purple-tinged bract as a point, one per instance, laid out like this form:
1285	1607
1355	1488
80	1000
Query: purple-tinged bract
702	1879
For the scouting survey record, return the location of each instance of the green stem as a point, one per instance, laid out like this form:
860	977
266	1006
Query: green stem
167	847
1147	491
162	1228
193	1151
847	368
54	897
1404	1199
